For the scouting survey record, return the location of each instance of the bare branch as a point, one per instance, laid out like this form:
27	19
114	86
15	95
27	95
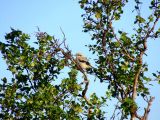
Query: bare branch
147	110
114	112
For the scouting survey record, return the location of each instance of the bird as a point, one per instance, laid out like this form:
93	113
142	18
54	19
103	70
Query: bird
83	61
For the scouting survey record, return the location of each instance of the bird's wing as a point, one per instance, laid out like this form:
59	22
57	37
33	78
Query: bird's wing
84	60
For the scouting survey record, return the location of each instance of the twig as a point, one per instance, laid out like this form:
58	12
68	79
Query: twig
30	81
125	51
68	55
147	110
114	112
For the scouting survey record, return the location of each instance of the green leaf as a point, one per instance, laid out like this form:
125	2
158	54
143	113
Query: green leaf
154	74
139	19
32	64
4	80
98	15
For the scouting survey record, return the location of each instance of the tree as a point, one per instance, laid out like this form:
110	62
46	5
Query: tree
33	91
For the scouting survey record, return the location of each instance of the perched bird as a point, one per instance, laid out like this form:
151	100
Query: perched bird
83	61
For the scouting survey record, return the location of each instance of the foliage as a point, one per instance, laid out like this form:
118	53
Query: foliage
33	91
36	90
120	55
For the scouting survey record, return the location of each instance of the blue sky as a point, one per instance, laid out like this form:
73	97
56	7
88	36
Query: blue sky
50	15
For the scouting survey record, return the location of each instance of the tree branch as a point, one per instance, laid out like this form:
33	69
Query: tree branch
147	110
140	59
139	65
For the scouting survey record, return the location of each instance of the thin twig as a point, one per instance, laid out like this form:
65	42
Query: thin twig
30	81
147	110
125	51
114	112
